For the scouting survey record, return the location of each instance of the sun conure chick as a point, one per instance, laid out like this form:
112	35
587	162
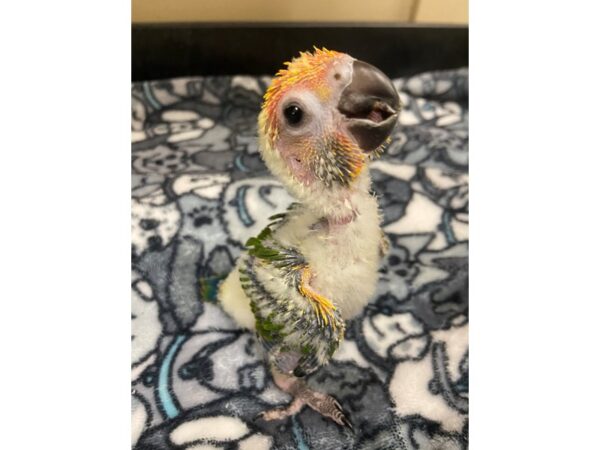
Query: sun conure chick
323	119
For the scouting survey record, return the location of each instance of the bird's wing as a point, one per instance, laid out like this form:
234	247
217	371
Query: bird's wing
298	336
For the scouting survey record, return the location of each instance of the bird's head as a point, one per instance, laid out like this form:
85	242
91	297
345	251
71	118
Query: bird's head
323	118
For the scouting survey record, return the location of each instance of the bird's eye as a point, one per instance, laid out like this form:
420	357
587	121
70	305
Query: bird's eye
293	114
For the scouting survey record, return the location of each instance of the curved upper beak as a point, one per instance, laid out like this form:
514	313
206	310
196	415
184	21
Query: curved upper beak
371	106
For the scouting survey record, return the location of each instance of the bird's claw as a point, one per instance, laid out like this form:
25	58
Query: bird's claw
328	406
340	416
271	414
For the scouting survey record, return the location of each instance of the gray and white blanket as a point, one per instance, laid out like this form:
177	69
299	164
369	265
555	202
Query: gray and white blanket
200	189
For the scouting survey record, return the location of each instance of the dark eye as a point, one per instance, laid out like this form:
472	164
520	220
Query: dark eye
293	114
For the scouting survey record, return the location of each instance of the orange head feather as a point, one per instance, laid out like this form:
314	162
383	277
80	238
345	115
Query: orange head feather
307	70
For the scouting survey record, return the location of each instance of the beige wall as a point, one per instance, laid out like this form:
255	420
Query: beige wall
440	11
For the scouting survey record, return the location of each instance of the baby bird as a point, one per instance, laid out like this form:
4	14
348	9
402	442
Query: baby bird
315	266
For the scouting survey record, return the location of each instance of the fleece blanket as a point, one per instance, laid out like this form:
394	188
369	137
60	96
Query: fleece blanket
200	190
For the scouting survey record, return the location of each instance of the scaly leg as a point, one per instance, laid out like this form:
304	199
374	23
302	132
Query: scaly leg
322	403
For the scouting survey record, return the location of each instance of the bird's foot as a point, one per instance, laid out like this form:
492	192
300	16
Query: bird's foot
325	405
282	413
320	402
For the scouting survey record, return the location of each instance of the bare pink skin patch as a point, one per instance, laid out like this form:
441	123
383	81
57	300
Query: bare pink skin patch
295	162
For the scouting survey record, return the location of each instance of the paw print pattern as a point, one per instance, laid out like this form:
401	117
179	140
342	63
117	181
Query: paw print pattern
202	216
397	272
152	227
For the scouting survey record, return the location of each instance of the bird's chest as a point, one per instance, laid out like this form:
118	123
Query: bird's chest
345	262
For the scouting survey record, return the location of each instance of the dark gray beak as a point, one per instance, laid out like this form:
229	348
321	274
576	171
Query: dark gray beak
371	106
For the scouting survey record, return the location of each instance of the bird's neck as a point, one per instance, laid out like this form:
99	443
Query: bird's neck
339	205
